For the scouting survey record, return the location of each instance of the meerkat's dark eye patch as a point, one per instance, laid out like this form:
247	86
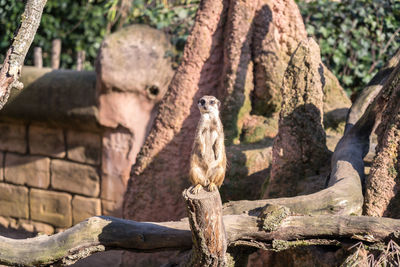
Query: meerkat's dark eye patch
212	102
202	102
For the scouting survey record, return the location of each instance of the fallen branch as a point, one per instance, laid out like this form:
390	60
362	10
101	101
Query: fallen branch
14	59
106	233
94	235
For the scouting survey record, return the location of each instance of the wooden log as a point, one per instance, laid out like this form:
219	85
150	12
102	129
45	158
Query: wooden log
80	60
37	57
94	235
104	233
55	53
208	231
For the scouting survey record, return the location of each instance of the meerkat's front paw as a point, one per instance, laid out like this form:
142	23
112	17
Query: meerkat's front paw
212	187
196	189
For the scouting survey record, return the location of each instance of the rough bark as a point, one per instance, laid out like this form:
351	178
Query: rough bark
382	191
104	233
14	59
299	149
208	231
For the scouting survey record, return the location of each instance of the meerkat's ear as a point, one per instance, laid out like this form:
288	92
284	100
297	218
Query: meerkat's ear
218	103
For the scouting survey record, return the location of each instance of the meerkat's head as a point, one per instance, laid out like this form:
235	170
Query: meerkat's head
209	104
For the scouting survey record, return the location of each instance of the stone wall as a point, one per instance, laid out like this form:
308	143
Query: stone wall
68	139
50	177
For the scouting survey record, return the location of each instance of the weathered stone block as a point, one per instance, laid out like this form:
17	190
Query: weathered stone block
13	137
111	208
147	73
37	227
84	147
13	201
51	207
30	170
112	187
75	178
83	208
46	141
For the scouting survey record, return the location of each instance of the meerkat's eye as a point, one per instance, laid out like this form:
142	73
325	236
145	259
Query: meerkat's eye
202	102
212	102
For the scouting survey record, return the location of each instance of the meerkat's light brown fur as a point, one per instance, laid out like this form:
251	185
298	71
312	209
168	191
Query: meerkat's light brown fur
208	159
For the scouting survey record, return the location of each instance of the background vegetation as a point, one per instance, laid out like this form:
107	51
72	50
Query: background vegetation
356	36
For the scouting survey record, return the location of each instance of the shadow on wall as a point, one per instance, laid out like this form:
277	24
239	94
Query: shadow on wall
56	97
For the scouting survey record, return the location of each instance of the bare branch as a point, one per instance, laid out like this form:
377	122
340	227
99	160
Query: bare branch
104	233
11	70
94	235
369	93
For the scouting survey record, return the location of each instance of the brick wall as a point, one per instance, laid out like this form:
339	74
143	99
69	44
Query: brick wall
50	178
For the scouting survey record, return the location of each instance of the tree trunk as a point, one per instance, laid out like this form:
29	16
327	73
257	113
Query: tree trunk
208	231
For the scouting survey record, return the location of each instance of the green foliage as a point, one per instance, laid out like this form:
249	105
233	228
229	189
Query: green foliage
175	19
356	37
82	25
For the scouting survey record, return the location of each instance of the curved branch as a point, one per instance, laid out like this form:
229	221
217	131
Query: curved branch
104	233
94	235
14	59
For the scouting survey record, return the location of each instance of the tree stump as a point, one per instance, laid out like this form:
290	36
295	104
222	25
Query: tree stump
208	231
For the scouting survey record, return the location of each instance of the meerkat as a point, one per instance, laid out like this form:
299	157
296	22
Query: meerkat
208	159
